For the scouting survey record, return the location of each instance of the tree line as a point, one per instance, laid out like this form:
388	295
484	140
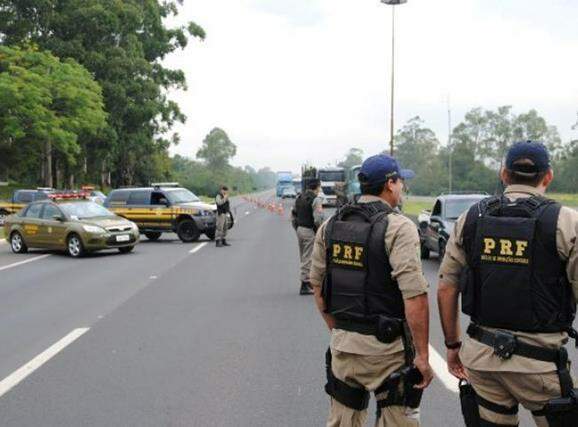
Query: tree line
83	92
477	149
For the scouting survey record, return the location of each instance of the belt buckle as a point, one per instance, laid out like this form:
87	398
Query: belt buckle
504	344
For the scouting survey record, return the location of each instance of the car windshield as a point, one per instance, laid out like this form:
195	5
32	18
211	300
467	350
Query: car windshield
84	210
332	176
454	208
181	196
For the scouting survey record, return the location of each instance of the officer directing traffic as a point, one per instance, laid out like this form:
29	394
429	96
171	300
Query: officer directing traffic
307	216
514	260
370	289
223	212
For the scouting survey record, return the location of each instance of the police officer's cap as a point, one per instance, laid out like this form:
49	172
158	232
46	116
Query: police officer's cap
528	158
379	168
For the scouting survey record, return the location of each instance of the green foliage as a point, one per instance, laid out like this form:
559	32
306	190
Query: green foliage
205	180
122	43
217	149
353	157
46	107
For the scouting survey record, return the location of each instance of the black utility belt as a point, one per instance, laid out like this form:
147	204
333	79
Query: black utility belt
506	344
385	329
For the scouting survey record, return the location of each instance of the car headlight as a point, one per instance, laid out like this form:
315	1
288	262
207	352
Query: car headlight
134	226
93	229
203	213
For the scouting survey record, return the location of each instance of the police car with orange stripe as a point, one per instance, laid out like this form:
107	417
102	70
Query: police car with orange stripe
162	208
70	222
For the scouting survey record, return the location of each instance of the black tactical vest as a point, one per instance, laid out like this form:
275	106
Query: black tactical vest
223	208
515	278
304	209
358	284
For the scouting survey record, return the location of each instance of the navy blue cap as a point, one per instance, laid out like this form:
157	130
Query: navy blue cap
380	168
528	157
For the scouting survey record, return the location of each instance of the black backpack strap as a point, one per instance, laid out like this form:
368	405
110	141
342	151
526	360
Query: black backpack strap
382	216
328	285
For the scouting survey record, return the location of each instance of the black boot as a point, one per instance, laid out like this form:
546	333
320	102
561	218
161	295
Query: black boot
225	243
219	243
306	289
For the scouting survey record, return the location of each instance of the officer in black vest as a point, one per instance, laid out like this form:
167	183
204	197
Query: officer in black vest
514	260
370	289
223	212
307	216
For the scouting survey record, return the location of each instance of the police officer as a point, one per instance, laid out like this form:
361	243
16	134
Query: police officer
307	216
370	289
223	212
514	260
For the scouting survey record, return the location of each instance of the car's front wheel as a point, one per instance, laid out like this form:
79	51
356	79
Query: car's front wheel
153	235
188	231
17	243
424	251
442	250
74	246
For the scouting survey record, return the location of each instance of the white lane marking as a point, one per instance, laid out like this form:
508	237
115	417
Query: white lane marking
26	261
247	213
17	376
153	277
197	248
440	367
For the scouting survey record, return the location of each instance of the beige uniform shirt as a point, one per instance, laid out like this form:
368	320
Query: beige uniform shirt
475	355
402	246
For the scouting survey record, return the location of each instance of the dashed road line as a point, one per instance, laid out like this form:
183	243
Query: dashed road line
197	248
26	261
440	367
24	371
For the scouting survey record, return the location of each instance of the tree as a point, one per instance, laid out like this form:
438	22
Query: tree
122	43
353	157
217	149
46	107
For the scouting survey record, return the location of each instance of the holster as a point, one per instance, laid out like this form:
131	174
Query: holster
562	411
469	403
354	398
388	329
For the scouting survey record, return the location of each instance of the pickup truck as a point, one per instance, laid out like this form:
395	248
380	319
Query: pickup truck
436	225
21	198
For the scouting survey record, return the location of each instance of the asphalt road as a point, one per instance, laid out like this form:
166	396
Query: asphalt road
176	335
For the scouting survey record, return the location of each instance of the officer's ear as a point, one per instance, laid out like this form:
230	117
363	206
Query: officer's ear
548	178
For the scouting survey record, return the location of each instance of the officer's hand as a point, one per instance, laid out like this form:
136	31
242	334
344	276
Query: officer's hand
455	364
424	368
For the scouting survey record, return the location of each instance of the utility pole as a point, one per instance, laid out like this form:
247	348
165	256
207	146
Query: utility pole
392	3
450	143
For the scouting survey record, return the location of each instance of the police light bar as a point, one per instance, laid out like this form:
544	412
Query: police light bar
78	195
165	184
87	188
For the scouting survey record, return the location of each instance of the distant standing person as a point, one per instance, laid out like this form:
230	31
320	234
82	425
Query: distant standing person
307	215
223	211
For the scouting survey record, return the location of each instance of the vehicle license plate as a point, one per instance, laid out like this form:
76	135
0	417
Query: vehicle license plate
123	238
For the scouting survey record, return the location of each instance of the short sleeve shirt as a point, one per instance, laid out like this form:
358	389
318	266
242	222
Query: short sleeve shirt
475	355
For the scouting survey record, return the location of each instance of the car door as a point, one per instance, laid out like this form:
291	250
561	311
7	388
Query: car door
31	225
138	205
162	215
52	230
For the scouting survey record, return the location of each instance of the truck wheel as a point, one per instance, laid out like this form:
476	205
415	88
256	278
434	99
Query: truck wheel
188	231
153	235
74	246
210	234
17	243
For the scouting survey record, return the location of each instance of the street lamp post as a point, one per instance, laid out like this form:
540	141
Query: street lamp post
391	123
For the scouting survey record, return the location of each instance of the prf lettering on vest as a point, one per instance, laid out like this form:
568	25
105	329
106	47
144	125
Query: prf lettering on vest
505	251
347	255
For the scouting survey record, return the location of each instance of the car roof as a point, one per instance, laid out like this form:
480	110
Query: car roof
462	196
147	189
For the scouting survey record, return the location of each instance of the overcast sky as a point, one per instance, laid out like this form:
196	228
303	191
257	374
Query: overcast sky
305	80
